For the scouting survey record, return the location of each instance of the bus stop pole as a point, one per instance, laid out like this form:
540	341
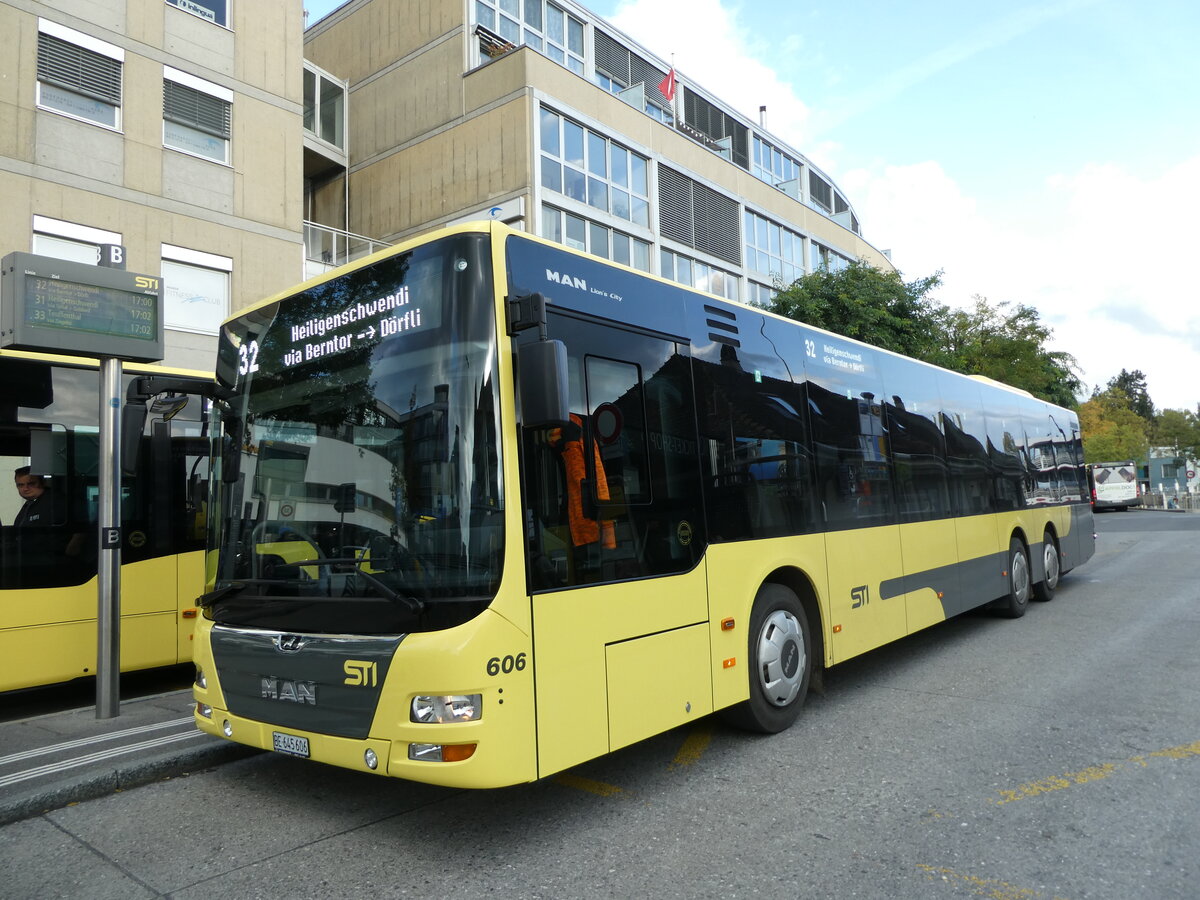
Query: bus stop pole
108	612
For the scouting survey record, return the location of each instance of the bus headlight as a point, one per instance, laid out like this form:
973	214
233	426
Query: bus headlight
446	708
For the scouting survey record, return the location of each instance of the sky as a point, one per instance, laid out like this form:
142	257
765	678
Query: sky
1038	153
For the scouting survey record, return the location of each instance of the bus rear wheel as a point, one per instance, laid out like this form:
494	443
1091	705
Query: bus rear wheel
780	654
1051	567
1019	583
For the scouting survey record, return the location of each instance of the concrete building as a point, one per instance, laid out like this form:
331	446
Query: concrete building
543	115
172	127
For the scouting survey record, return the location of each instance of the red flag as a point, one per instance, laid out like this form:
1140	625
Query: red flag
666	87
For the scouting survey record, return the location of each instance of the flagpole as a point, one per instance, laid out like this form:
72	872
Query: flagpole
674	94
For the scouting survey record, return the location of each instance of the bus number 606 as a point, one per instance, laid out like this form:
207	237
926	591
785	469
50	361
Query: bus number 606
507	664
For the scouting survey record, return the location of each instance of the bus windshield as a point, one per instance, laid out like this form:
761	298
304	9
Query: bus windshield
360	488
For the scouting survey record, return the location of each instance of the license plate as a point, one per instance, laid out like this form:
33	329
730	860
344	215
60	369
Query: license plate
291	744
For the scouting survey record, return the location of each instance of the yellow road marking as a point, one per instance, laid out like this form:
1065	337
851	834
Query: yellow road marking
599	788
1093	773
984	887
693	748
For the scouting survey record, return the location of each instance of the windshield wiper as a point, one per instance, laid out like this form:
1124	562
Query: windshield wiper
413	603
212	598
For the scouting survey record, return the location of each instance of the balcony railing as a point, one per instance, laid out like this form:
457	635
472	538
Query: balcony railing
326	248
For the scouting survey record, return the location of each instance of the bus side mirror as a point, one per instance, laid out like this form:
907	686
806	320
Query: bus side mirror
133	423
231	454
545	400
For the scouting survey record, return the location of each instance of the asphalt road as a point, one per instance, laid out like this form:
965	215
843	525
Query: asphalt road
1054	756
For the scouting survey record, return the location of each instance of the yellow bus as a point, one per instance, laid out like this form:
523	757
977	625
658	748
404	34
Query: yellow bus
486	508
49	454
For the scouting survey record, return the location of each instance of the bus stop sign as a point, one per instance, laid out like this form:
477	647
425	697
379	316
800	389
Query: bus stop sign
57	306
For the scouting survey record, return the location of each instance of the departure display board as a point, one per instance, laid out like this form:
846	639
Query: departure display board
57	306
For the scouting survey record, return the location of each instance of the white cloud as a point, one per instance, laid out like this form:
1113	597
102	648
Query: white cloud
1100	252
1101	257
716	52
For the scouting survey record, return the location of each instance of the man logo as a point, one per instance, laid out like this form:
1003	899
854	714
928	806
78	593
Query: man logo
292	691
860	595
289	643
568	280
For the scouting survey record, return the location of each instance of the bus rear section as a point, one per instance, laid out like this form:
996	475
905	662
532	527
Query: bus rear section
49	493
1114	485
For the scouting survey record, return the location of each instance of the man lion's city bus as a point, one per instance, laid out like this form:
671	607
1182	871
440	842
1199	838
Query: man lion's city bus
49	503
486	508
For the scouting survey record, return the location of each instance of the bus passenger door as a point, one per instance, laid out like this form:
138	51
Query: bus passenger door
614	535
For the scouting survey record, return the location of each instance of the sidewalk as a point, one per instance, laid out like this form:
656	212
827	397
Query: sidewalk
53	760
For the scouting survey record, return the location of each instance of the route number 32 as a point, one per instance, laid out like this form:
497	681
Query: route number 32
248	358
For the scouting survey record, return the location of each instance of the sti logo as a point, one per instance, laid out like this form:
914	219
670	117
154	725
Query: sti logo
568	280
861	596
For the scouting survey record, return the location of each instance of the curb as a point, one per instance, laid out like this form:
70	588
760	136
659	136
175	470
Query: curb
121	777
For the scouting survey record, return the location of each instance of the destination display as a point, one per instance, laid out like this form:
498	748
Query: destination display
58	306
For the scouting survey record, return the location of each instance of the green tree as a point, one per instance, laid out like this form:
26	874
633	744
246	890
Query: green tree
867	304
1007	342
1112	431
1003	342
1178	430
1133	385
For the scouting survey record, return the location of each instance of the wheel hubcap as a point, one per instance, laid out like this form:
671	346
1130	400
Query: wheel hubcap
1020	577
1052	570
781	658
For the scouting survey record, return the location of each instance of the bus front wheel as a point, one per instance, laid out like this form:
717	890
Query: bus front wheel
780	654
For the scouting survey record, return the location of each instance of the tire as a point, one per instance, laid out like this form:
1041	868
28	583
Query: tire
1051	566
780	654
1019	587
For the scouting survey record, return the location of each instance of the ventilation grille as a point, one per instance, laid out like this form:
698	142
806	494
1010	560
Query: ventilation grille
820	191
619	62
698	216
715	125
611	58
723	323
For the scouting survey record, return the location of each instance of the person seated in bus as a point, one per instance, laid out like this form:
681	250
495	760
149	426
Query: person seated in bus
44	547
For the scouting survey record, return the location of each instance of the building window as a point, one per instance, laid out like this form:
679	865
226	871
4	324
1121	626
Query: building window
195	289
824	258
78	75
588	167
820	192
215	11
619	69
697	274
325	108
776	168
773	250
595	238
70	241
196	115
760	294
697	216
539	24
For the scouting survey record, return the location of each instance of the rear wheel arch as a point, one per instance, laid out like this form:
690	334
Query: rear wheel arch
799	583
